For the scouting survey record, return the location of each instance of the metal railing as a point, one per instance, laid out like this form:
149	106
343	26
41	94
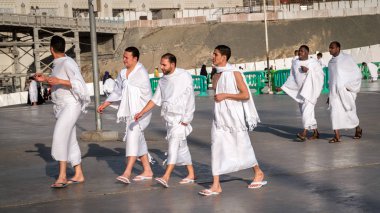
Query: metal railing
81	24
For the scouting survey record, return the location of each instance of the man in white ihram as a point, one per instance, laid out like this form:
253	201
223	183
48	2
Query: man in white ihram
304	85
133	90
70	97
175	95
344	83
234	115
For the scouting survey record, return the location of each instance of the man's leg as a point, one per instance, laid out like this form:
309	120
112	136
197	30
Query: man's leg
62	179
75	157
168	172
128	170
358	132
336	138
147	170
215	187
191	173
259	176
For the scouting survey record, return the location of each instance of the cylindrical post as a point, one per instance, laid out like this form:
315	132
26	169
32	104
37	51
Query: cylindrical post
76	47
267	46
36	51
95	68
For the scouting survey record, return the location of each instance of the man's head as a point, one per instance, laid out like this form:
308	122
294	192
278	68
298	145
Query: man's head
295	52
364	64
57	46
319	55
303	52
221	55
168	63
334	48
131	56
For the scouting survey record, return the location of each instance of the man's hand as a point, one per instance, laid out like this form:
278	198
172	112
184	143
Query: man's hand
40	77
138	116
220	97
102	107
304	69
53	81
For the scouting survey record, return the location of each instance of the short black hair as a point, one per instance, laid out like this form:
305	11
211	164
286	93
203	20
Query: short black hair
135	52
336	43
319	54
224	50
58	44
305	47
170	57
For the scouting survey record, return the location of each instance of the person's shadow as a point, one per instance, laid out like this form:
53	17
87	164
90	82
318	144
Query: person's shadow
44	152
115	158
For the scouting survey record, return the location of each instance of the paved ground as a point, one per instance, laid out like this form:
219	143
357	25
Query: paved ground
303	177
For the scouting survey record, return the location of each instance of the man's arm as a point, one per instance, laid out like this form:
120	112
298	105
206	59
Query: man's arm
52	80
243	91
149	106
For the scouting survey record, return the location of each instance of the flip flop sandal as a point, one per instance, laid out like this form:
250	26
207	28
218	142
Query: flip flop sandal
59	185
334	140
301	137
186	181
74	182
141	178
258	184
162	182
208	192
123	179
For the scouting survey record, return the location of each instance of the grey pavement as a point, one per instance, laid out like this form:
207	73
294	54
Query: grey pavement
302	177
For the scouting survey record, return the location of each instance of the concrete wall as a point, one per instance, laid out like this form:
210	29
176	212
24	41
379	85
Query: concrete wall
321	10
360	54
166	22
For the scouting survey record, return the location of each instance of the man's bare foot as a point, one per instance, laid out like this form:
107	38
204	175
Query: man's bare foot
146	174
59	183
259	177
76	179
214	188
190	177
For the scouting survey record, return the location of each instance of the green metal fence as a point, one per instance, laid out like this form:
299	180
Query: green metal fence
199	83
255	80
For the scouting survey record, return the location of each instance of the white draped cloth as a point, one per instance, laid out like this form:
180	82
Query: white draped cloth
133	92
344	84
68	105
175	95
373	70
305	88
231	147
33	92
108	86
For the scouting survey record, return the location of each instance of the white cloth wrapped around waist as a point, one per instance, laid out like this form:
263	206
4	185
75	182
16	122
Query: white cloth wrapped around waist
177	131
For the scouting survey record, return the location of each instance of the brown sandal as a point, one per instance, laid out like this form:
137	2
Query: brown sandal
334	140
301	137
314	136
358	134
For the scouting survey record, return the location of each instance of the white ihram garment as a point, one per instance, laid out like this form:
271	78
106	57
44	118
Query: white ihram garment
344	84
108	86
231	147
133	93
68	105
175	93
305	88
373	71
33	92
